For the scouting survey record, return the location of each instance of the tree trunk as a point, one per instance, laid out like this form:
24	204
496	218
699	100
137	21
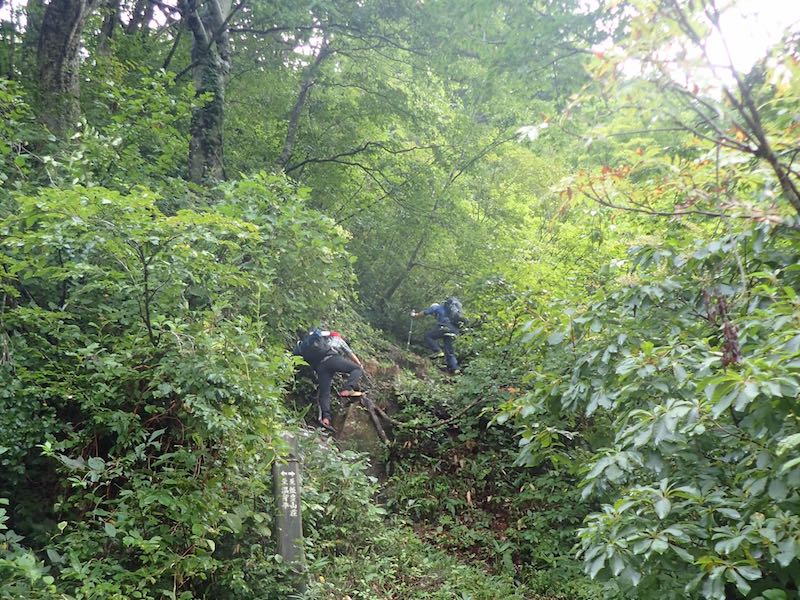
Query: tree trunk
309	79
137	16
110	19
34	14
9	33
58	62
210	66
410	264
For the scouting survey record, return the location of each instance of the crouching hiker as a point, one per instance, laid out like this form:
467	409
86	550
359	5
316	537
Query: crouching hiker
328	354
449	318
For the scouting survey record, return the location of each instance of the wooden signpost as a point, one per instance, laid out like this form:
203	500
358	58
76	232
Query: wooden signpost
288	519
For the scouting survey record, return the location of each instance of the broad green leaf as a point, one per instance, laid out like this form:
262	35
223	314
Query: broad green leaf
96	463
777	489
788	443
752	573
685	555
660	545
662	507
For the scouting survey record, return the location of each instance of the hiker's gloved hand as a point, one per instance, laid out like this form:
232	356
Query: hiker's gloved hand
413	313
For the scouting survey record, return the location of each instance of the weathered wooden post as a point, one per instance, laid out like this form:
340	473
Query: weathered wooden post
289	520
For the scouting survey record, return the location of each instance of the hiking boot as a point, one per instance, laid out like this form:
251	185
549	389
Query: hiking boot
454	371
350	393
437	355
325	423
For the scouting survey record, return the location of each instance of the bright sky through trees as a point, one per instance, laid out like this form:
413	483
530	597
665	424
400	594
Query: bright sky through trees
747	30
752	26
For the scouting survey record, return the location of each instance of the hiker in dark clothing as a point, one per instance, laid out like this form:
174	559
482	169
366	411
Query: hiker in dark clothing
445	329
328	354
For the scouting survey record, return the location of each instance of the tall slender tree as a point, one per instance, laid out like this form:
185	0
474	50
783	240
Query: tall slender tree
58	62
211	61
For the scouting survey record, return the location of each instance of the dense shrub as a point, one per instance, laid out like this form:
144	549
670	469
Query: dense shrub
692	357
143	367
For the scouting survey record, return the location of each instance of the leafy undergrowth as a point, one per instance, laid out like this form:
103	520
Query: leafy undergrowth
356	551
458	485
461	523
399	566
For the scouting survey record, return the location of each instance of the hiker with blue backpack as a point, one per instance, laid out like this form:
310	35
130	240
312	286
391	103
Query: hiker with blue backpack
328	354
449	319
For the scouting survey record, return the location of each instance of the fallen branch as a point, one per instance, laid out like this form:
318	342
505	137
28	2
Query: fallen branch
372	410
436	425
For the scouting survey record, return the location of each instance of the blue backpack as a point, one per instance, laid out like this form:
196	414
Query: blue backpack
314	347
454	311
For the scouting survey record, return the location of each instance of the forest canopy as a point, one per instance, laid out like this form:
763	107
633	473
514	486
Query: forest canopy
612	190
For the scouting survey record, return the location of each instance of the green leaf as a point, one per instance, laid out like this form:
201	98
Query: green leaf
788	443
724	401
749	572
632	575
777	489
662	507
679	372
739	581
234	522
95	463
54	556
788	550
660	545
684	554
110	530
729	512
594	567
616	564
790	464
72	463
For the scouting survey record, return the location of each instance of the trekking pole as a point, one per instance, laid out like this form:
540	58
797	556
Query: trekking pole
410	329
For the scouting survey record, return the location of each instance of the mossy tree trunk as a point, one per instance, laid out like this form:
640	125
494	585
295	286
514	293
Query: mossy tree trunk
210	67
58	63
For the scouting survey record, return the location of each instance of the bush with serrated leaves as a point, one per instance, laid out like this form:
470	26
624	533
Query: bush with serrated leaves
143	363
693	357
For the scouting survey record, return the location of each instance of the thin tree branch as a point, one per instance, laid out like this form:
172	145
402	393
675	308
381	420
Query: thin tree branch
353	151
309	78
172	50
437	424
597	197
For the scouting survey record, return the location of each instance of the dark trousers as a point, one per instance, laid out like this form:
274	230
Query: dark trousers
446	333
325	373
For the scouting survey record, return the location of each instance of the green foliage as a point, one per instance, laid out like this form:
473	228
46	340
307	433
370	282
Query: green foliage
397	566
17	131
139	129
339	510
136	123
694	358
143	320
22	574
143	367
458	485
